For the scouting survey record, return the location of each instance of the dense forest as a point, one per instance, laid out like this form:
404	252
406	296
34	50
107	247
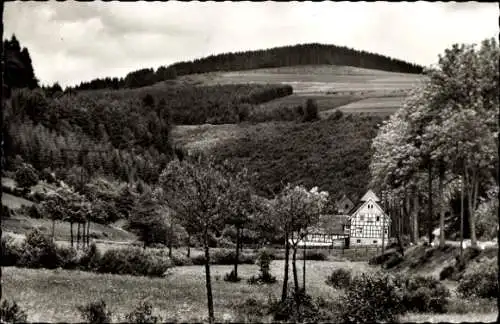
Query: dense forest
306	54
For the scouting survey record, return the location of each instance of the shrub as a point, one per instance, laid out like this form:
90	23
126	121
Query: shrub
142	314
316	256
39	252
264	261
481	280
311	111
180	259
251	311
67	257
338	114
231	277
11	252
425	294
10	312
95	312
447	272
372	298
381	258
35	212
394	260
26	176
91	258
135	261
297	307
340	279
6	212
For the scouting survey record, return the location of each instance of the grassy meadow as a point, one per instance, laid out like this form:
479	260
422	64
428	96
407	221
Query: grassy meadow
52	295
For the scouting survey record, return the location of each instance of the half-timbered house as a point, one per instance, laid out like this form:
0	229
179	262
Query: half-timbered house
368	224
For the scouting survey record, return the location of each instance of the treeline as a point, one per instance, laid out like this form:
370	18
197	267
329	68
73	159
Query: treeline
304	54
135	79
218	104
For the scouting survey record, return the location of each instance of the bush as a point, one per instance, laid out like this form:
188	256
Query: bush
67	257
297	307
95	312
264	261
394	260
142	314
11	252
179	259
311	111
338	114
381	258
26	176
135	261
6	212
316	256
425	294
340	279
372	298
231	277
251	311
90	259
10	312
34	212
447	272
39	251
481	280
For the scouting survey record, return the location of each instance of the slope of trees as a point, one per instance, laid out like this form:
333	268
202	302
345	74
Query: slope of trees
333	154
200	104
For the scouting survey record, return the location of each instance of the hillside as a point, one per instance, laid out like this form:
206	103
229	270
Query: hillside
333	153
285	56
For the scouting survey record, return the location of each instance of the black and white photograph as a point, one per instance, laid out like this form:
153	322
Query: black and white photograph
249	162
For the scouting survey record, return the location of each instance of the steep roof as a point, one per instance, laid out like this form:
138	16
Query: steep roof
370	195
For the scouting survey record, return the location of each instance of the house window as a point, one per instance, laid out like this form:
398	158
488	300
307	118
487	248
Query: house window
358	241
362	217
378	218
375	242
359	230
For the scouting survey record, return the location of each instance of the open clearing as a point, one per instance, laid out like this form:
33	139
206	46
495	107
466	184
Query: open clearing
51	295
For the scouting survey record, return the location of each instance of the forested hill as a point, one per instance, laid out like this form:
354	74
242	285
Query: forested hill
307	54
304	54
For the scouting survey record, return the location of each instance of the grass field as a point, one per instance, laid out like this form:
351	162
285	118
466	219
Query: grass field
23	224
314	79
14	202
52	295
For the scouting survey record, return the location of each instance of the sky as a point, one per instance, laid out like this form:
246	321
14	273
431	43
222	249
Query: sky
70	42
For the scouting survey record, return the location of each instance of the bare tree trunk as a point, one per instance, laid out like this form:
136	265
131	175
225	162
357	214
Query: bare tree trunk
53	229
430	217
471	200
237	257
208	279
78	236
416	208
462	219
304	268
84	239
442	209
284	291
294	269
88	233
189	245
71	231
